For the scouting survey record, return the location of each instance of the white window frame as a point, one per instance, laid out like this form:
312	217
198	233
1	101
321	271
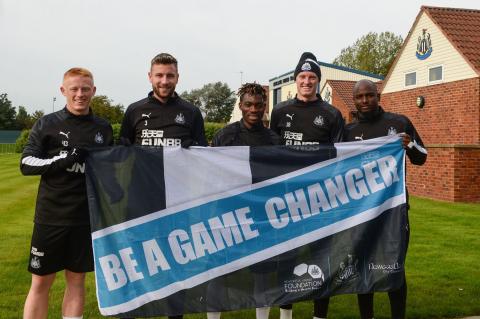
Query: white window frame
433	67
405	79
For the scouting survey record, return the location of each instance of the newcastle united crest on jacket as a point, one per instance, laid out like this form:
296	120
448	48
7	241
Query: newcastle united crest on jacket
192	230
99	138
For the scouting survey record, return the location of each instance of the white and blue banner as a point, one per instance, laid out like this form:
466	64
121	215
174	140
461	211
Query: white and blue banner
213	229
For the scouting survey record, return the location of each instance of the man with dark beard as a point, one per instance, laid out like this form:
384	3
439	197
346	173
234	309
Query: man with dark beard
163	119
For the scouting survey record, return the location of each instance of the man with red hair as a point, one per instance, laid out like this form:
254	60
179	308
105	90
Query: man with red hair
61	237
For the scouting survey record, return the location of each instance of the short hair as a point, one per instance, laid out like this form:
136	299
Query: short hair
364	81
164	58
252	89
78	72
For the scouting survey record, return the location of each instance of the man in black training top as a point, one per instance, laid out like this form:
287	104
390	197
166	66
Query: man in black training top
163	119
61	235
373	122
307	119
249	131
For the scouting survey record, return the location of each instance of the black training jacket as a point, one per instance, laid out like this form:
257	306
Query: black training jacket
381	123
150	122
54	151
303	123
236	134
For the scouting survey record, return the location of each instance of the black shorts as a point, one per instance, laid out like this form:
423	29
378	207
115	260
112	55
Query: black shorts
55	248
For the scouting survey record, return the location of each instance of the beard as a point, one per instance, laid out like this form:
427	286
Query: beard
163	92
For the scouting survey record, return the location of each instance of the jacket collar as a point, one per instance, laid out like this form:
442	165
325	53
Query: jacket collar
254	128
316	102
170	100
67	114
370	116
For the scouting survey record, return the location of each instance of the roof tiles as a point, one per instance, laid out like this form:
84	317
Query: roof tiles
344	91
462	28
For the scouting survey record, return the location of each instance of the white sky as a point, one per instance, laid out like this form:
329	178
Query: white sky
213	40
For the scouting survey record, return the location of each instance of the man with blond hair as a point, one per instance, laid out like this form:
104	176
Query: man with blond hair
61	234
307	120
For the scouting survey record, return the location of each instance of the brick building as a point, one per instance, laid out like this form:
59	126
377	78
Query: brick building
435	81
340	94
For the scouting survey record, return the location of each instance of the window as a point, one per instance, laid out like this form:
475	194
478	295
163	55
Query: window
277	96
410	78
435	74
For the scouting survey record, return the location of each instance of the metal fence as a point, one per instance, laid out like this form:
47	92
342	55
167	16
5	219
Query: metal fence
7	148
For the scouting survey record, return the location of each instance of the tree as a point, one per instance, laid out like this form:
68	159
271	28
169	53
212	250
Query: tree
102	107
36	115
23	119
215	100
372	53
7	113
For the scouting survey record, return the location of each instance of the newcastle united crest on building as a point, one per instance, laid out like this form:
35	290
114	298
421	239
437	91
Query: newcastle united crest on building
328	95
424	46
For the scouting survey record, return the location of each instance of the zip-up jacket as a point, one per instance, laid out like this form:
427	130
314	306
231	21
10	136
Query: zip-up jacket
302	123
236	134
149	122
55	150
381	123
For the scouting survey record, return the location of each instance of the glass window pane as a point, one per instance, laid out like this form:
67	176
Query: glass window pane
411	78
435	74
277	96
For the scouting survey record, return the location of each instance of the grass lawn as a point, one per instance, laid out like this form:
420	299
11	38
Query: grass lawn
443	264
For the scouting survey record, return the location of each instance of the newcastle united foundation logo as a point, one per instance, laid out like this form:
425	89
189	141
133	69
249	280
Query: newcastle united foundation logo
348	270
424	46
311	277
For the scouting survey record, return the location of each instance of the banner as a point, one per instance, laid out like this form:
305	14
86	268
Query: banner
213	229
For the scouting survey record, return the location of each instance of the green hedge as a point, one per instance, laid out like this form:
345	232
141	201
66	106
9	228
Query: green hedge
21	141
211	129
116	132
